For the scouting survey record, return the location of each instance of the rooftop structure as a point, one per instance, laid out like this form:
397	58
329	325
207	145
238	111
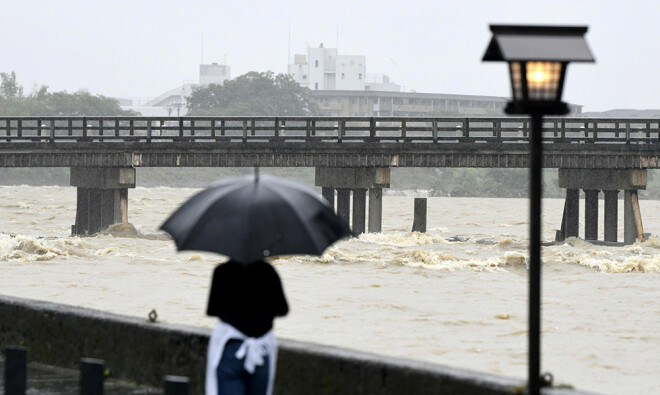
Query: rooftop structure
324	69
409	104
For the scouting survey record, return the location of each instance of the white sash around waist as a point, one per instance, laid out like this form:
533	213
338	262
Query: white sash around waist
252	349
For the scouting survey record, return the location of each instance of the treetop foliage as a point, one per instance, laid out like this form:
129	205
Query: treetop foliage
252	94
41	102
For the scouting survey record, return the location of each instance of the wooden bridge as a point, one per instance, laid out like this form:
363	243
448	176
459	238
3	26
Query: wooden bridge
323	141
352	155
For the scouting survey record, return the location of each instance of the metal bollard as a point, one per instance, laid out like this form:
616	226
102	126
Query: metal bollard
419	222
91	376
176	385
15	370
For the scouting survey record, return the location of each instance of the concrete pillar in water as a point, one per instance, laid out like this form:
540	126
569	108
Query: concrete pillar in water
629	180
632	218
419	221
359	210
328	194
102	197
375	210
572	212
357	179
591	214
611	215
344	204
628	218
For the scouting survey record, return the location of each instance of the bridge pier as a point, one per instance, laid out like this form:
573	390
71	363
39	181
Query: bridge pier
102	197
345	180
592	181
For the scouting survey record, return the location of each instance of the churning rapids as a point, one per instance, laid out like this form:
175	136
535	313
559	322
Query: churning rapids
456	295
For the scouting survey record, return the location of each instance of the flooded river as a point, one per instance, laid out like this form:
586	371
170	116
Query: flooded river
421	296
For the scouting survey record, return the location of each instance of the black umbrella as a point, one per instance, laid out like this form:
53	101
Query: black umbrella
251	217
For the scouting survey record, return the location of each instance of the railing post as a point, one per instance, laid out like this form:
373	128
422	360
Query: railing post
277	127
245	130
176	385
313	131
192	130
213	128
308	125
403	131
563	129
434	128
180	126
15	370
19	128
595	131
52	131
340	130
466	128
149	131
84	128
628	132
372	127
91	376
497	125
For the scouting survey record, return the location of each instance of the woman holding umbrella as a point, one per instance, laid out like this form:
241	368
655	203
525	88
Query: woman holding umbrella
242	350
249	218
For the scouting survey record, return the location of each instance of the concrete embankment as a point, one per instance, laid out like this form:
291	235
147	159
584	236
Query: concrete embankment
139	351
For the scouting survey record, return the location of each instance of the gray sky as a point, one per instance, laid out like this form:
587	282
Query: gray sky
140	48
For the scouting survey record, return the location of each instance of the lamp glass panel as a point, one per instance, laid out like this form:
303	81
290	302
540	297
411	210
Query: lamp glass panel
543	80
516	80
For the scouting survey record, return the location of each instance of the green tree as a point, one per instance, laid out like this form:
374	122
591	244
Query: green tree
9	88
42	102
253	94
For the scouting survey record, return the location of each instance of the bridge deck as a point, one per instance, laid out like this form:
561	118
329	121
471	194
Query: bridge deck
323	141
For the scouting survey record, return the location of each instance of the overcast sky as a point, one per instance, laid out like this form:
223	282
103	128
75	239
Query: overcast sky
140	48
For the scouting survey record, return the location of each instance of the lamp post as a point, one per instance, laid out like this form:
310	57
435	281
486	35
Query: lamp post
537	57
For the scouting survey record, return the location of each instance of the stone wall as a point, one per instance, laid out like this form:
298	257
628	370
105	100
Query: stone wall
139	351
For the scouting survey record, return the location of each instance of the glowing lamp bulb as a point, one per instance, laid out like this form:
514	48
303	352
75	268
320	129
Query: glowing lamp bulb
537	76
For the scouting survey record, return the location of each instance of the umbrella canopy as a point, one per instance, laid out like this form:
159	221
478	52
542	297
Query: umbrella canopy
251	217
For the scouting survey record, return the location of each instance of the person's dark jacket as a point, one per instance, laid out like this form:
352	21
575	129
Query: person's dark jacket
247	296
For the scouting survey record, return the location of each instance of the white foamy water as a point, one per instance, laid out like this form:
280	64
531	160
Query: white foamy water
462	303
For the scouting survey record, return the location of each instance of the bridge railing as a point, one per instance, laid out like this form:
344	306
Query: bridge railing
324	129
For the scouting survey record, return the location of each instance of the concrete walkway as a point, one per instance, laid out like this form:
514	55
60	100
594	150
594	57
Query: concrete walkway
49	380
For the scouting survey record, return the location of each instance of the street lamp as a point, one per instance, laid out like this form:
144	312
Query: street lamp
537	58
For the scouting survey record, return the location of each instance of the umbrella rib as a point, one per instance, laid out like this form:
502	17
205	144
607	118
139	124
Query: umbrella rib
304	223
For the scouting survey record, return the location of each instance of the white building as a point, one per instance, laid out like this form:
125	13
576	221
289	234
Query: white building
173	101
213	74
324	69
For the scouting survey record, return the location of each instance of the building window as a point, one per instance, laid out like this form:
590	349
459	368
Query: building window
316	63
343	76
304	77
360	76
316	86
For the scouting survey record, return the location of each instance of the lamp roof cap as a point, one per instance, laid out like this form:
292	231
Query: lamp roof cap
511	43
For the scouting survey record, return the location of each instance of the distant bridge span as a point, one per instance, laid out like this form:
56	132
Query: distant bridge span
585	143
